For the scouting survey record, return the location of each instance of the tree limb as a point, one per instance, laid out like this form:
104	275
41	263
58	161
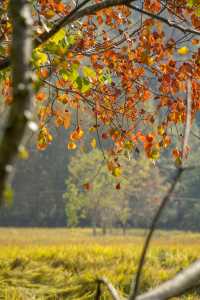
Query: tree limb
77	14
188	118
72	17
164	20
22	86
180	284
113	292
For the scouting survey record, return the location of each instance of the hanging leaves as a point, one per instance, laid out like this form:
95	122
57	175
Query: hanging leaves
132	82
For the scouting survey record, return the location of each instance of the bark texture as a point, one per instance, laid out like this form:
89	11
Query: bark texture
20	12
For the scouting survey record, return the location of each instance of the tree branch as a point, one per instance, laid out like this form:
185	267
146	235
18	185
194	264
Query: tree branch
22	86
72	17
136	281
180	284
113	292
77	14
188	119
163	20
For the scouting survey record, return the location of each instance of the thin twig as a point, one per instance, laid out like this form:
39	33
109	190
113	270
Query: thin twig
136	281
98	292
113	292
163	20
188	119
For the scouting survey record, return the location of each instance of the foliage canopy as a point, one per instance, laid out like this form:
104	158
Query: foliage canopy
124	63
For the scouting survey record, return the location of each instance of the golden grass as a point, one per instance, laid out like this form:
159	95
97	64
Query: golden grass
64	264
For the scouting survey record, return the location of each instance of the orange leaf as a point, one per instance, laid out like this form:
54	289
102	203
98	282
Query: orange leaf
71	146
77	134
118	186
40	96
87	186
67	120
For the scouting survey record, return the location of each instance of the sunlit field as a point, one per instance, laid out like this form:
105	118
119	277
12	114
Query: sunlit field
65	264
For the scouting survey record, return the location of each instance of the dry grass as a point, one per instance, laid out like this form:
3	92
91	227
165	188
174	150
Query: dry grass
64	264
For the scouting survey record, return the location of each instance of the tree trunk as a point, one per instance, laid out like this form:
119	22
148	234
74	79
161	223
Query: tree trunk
124	229
19	113
104	229
94	227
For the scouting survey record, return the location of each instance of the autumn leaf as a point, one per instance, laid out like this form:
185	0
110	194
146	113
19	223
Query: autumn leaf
154	154
118	186
176	153
117	171
67	120
87	186
44	138
71	146
89	72
77	134
8	194
41	96
39	57
183	50
23	153
93	143
59	36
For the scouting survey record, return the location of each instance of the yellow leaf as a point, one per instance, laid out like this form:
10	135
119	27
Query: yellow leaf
8	194
183	50
23	153
155	154
59	36
50	13
67	120
77	134
117	172
39	57
92	129
178	162
161	130
93	143
150	61
128	145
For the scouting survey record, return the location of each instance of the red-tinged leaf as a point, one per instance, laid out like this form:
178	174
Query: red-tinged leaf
118	186
41	96
87	186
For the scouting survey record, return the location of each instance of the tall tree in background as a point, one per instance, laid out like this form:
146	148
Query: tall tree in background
106	200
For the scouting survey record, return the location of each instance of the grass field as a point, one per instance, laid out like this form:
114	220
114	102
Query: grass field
64	264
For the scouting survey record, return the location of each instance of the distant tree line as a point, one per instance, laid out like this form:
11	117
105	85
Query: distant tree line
95	197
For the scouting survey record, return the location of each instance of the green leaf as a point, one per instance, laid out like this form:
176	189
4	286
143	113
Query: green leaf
71	39
73	75
86	85
39	57
79	83
60	35
89	72
64	74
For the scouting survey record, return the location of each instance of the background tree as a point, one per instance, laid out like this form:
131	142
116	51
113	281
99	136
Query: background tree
107	200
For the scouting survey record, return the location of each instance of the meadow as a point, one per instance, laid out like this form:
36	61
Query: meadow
65	264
